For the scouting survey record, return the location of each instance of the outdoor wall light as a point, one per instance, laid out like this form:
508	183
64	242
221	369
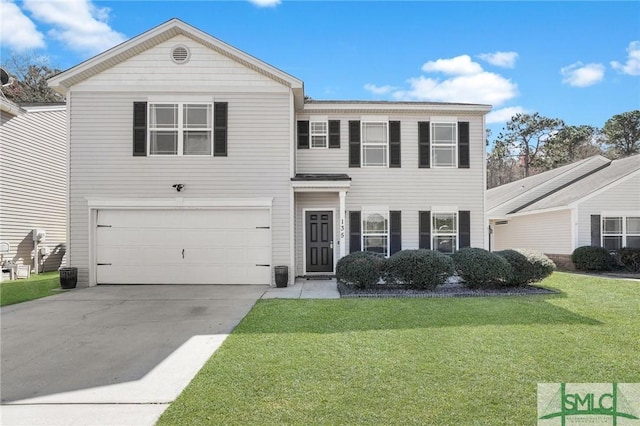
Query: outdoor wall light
179	186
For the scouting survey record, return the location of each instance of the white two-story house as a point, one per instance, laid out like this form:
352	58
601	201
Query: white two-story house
192	162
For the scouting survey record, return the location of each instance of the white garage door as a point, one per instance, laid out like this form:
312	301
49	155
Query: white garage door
183	247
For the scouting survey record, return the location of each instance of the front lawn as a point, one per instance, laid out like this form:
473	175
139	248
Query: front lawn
452	361
34	287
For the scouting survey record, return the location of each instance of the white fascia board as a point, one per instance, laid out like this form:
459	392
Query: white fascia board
177	202
311	186
399	106
549	210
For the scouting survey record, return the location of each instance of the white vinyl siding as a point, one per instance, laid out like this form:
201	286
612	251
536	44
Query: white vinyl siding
102	164
621	197
544	232
409	189
33	185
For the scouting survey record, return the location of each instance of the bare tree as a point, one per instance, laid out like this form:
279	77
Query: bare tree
30	74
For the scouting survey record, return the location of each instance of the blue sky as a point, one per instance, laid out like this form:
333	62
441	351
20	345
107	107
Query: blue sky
578	61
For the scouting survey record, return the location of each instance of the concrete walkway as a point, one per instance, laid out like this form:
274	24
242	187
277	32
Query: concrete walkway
305	289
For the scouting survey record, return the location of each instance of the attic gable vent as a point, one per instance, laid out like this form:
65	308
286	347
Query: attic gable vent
180	54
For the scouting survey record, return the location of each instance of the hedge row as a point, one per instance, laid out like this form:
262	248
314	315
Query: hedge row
588	258
427	269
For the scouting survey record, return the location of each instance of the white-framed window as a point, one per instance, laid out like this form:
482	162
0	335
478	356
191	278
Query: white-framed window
318	132
375	232
444	232
375	144
180	128
620	231
444	144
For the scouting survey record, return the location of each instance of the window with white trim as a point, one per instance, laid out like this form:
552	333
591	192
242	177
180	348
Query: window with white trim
318	132
444	232
620	231
180	128
444	144
375	144
375	232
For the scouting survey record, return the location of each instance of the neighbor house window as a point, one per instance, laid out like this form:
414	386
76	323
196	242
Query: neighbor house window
375	232
444	143
180	129
444	232
375	144
620	231
318	131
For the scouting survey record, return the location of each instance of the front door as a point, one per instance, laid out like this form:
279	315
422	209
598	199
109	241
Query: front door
319	241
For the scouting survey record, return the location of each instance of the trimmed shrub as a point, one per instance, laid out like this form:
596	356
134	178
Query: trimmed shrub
589	258
527	266
419	269
361	269
481	268
630	258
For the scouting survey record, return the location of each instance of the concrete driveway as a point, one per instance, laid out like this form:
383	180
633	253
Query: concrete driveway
111	354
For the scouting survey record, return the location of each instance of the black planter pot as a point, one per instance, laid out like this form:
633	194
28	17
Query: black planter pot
282	276
68	277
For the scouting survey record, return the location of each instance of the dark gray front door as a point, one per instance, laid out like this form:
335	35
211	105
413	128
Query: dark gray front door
319	241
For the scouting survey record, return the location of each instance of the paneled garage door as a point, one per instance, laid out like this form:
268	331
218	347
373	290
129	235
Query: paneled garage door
183	246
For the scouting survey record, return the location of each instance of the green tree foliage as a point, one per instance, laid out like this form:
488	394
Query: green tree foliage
622	132
570	144
526	134
30	76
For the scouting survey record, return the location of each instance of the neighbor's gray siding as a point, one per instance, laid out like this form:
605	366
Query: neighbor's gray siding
33	185
102	164
544	232
622	198
409	188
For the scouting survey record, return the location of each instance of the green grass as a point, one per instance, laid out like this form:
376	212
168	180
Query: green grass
34	287
416	361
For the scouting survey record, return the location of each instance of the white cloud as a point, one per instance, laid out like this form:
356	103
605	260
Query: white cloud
581	75
17	31
483	87
265	3
460	65
500	59
379	90
632	66
503	115
79	24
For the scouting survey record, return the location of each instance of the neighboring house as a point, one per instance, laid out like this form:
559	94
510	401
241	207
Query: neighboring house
194	162
595	202
33	183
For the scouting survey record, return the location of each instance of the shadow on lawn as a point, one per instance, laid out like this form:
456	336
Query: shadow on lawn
336	316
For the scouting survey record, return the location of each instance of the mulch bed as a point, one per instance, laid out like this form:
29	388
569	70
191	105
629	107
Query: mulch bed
446	290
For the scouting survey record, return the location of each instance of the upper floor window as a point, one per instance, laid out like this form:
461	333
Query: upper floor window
375	144
444	143
318	130
375	232
444	232
180	129
620	231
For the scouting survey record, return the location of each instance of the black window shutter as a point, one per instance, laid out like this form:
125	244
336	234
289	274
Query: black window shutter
424	230
463	145
354	143
595	230
334	133
354	232
424	144
139	129
394	144
395	234
220	113
303	134
464	228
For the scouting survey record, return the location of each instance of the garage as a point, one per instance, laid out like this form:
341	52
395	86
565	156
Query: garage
183	246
